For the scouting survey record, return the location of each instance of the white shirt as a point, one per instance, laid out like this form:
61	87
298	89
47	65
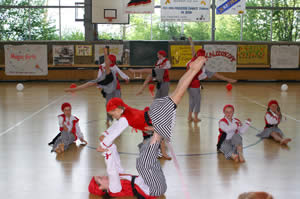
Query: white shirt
69	124
233	127
202	75
113	132
272	118
114	169
166	65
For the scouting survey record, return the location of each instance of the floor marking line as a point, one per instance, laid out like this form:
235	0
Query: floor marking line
257	103
185	190
30	116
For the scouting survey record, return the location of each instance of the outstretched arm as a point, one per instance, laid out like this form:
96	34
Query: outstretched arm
192	46
112	161
112	133
146	82
143	70
221	77
81	87
245	126
121	73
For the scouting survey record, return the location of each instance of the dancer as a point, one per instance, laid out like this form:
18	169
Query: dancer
117	72
273	118
160	73
115	69
194	88
230	141
162	114
118	184
106	81
69	130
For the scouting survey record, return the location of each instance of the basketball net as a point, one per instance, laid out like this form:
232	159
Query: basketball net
110	18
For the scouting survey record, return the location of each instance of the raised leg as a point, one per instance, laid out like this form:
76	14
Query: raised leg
186	79
146	82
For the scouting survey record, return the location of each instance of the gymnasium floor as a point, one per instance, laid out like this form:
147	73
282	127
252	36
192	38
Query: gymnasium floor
28	121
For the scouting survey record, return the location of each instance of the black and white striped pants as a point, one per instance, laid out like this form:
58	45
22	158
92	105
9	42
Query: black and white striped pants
163	114
149	168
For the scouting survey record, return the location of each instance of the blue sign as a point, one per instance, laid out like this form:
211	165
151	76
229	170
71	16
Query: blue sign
226	6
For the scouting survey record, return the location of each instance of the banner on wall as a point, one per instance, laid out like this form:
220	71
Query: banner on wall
232	7
115	49
284	56
252	54
139	6
26	60
181	54
221	58
83	50
63	54
185	10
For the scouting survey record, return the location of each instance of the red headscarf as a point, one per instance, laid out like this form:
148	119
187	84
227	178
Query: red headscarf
65	105
115	103
272	102
113	59
226	106
94	188
162	53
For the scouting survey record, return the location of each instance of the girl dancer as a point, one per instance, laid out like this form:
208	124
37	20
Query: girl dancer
162	115
194	88
118	184
230	141
117	71
106	81
69	130
272	120
160	73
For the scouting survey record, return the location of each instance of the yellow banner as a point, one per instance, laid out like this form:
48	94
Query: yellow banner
181	54
252	54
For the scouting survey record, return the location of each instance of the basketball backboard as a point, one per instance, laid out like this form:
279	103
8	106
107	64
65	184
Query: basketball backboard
109	12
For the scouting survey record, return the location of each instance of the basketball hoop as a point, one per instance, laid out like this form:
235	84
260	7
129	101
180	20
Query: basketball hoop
110	14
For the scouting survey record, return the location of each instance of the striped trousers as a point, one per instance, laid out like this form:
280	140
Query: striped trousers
163	115
149	168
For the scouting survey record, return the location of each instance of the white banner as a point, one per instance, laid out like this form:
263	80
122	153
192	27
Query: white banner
185	10
284	57
221	58
142	7
114	49
26	60
63	54
232	7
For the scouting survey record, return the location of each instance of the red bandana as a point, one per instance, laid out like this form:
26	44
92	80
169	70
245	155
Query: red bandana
226	106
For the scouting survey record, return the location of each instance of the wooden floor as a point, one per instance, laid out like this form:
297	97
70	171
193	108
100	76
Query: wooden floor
28	121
